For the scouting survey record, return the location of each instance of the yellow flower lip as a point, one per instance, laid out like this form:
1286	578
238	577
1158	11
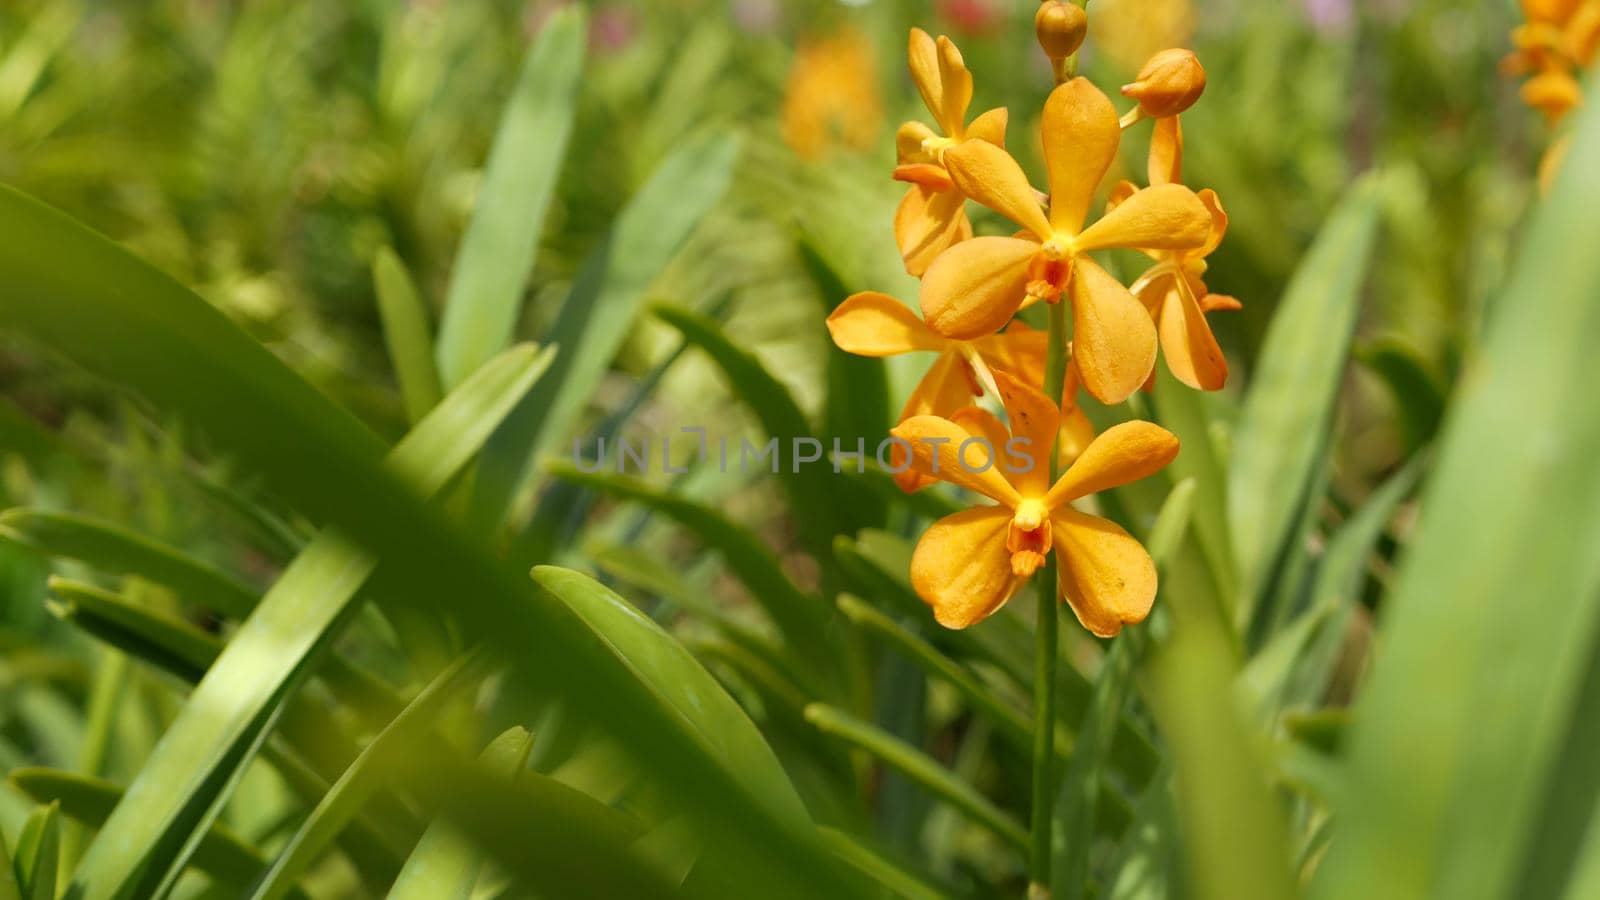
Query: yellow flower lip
1030	514
936	146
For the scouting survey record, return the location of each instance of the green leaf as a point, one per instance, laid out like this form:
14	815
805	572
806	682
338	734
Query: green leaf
920	768
360	781
547	835
681	684
797	615
1235	836
407	333
113	549
1009	721
1294	388
598	314
631	565
496	258
1418	394
9	888
445	865
1183	411
869	862
99	306
221	854
858	389
38	850
232	708
810	493
21	434
1294	666
1078	798
166	642
28	55
1490	628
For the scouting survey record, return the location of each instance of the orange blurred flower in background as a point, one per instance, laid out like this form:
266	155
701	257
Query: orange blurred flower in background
831	99
1559	38
1129	31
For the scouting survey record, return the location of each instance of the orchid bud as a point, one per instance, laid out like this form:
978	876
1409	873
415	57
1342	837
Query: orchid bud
1061	27
1168	84
1554	93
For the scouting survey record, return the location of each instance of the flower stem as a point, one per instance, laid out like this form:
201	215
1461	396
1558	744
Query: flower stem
1068	68
1045	637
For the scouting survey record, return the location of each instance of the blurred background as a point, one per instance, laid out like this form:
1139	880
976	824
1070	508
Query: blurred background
262	154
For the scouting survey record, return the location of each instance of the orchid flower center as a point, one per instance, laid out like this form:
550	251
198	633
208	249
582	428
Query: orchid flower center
936	146
1029	537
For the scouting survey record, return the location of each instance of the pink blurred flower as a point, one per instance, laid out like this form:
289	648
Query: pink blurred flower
756	16
970	16
1330	16
613	28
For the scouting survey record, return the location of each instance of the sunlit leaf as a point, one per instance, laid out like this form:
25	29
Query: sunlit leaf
496	257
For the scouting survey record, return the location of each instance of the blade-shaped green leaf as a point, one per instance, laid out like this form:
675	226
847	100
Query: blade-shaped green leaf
1078	798
1295	665
1010	722
9	889
812	497
1495	608
359	782
445	865
598	314
38	850
1235	834
407	333
858	390
550	837
233	706
160	640
681	683
1293	390
920	768
887	873
222	854
1418	394
123	319
798	615
496	258
114	549
1182	410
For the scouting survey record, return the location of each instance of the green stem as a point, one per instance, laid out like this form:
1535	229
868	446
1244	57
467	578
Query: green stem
1068	69
1046	637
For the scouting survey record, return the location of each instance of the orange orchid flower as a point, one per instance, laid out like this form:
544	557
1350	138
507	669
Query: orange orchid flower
831	99
967	565
1173	290
976	286
878	325
932	216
